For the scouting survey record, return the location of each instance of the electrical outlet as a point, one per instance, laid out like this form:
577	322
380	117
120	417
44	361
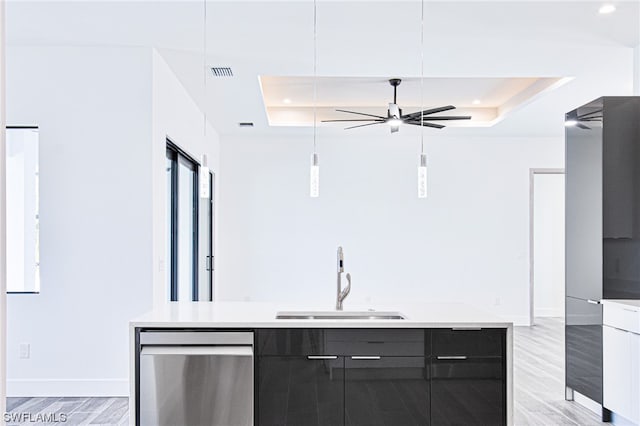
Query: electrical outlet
497	302
161	266
25	350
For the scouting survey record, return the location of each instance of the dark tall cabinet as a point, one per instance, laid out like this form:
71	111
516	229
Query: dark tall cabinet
602	228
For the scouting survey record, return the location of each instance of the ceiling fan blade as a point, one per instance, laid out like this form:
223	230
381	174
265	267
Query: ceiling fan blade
363	125
449	117
354	119
425	124
361	113
429	111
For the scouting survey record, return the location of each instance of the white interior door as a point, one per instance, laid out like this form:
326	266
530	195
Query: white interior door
548	245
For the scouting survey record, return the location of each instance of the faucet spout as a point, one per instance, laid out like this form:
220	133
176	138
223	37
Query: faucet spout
342	293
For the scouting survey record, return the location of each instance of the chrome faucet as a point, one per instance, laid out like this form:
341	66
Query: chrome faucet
342	294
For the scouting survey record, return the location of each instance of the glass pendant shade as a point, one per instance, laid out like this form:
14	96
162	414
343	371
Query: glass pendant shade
314	177
422	177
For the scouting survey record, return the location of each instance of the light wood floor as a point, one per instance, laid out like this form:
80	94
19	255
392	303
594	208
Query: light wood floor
538	386
539	378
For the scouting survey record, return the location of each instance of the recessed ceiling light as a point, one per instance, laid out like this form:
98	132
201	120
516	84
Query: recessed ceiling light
476	101
606	9
286	100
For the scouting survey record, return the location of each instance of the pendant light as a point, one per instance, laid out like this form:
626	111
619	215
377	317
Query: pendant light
314	171
422	165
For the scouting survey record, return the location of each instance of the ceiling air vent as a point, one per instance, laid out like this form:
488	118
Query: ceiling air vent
222	72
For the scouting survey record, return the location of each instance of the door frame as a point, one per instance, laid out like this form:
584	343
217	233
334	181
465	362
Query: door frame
532	173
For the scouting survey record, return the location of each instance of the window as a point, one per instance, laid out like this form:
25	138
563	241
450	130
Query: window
189	230
23	234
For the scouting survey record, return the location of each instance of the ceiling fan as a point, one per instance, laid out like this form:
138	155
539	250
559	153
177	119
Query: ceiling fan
395	118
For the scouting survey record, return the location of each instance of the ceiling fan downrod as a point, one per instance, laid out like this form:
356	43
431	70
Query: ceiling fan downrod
395	82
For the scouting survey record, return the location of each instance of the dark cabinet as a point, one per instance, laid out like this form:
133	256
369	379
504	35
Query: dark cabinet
300	391
387	391
583	340
468	377
468	391
380	377
602	228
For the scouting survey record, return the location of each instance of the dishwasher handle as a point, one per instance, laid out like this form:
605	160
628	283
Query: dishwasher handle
205	338
198	350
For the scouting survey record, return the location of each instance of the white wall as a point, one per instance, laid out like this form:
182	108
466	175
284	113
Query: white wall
104	115
176	116
467	242
548	226
93	106
3	282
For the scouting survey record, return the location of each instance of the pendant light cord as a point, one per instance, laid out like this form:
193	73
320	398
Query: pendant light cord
421	77
315	73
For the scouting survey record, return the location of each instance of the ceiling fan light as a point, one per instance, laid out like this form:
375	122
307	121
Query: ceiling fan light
394	122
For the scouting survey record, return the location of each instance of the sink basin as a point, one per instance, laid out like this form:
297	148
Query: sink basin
340	315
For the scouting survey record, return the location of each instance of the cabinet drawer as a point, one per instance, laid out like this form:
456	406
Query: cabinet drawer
290	341
382	342
468	368
470	343
622	317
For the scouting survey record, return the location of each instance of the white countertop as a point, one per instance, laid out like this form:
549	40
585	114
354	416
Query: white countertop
263	315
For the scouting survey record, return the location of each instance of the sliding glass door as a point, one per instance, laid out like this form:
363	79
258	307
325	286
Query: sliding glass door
190	227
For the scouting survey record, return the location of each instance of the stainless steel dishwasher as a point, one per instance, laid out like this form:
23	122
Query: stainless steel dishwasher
195	378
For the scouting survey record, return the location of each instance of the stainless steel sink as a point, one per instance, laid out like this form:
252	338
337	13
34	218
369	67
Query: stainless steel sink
340	315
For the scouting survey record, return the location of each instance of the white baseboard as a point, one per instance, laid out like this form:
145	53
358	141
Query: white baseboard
72	387
519	319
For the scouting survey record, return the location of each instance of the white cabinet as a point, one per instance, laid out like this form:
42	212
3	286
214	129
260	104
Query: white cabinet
621	361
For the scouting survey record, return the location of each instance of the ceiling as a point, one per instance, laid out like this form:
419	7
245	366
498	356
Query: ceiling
294	101
490	50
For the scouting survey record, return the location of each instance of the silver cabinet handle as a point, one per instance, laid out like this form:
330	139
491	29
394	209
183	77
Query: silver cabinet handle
322	357
365	357
452	357
593	302
629	310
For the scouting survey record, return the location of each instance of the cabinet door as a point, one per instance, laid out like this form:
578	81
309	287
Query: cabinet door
386	391
300	391
468	391
635	377
617	372
583	348
583	229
